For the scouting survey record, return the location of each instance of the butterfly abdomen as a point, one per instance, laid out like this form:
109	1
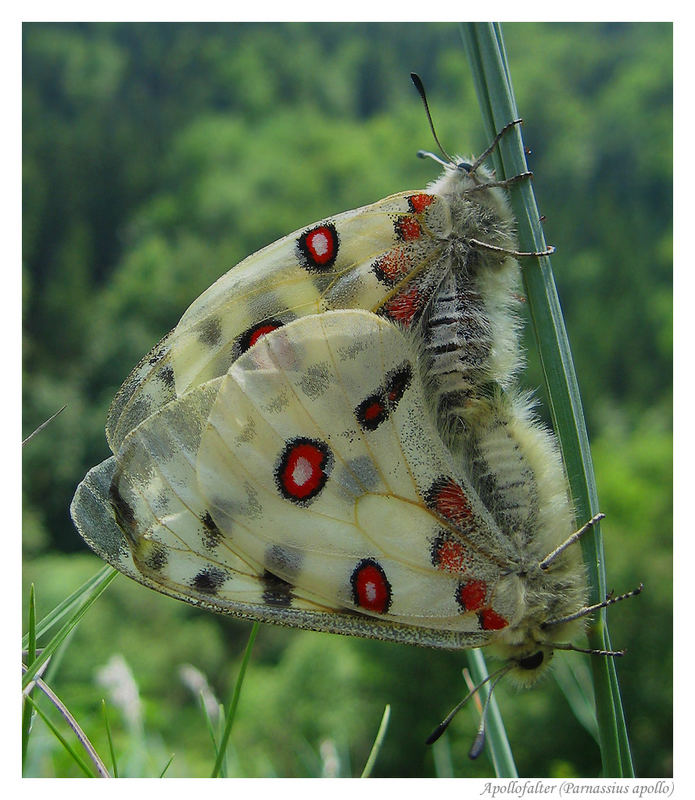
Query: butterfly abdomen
457	345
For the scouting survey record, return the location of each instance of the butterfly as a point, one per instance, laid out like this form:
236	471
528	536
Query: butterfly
331	438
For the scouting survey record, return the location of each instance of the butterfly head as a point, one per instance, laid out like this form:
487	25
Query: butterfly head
465	166
528	662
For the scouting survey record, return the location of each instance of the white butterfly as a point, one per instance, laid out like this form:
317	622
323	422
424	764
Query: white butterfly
331	438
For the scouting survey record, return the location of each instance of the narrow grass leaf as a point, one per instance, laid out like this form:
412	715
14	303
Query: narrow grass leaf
485	45
496	740
235	702
64	608
106	577
107	728
376	747
59	736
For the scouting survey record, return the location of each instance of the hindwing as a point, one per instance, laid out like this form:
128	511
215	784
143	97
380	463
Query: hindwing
308	486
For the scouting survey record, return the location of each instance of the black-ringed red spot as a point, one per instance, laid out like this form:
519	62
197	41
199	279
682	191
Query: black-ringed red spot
448	499
318	247
471	595
393	267
371	589
377	407
449	553
372	411
303	468
250	336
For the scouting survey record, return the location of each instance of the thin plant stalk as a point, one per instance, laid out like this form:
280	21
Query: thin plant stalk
485	46
378	741
235	702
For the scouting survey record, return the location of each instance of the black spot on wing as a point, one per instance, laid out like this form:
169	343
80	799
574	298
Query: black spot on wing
157	556
125	516
210	332
166	375
212	535
276	591
283	559
209	580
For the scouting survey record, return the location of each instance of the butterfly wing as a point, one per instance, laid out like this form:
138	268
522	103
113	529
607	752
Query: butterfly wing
308	486
381	256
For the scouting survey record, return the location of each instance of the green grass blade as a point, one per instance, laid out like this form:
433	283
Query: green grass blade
166	766
65	607
76	729
28	709
59	736
376	747
105	578
235	702
496	741
112	750
485	46
575	683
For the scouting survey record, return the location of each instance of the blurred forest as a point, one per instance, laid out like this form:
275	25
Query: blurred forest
156	156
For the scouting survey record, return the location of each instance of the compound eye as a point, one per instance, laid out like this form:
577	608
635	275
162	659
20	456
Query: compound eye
465	166
532	662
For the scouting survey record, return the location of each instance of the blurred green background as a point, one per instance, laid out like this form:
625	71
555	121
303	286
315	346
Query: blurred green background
158	155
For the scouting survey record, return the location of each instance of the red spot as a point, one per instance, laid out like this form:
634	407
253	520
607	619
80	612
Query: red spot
419	202
397	382
303	469
250	336
448	500
392	266
491	621
373	411
404	306
472	596
318	247
408	228
370	587
449	554
261	331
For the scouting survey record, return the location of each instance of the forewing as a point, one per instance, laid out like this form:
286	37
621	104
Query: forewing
383	257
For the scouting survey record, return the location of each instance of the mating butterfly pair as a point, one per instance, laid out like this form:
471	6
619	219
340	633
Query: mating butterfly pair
331	439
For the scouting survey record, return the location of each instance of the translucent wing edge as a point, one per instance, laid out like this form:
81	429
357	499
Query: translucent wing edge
94	519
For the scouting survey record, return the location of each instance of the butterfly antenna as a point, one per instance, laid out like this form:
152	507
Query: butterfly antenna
610	600
548	560
444	724
417	80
